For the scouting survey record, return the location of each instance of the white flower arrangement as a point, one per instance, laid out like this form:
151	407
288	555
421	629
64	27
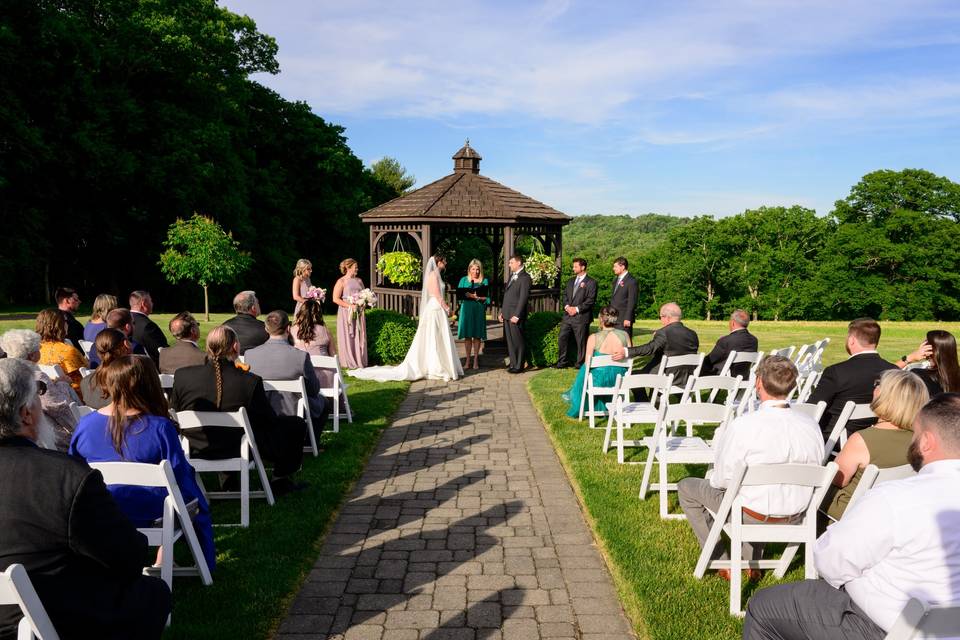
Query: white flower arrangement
543	269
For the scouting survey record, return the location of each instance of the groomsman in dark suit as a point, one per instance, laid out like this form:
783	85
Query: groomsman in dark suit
624	296
513	313
578	300
852	379
739	340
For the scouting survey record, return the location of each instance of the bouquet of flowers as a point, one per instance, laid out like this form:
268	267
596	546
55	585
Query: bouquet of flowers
542	268
363	299
316	293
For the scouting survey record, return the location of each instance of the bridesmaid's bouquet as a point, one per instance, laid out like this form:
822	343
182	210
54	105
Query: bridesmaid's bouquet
363	299
316	293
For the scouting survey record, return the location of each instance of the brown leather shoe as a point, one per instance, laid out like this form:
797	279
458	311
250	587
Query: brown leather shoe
752	575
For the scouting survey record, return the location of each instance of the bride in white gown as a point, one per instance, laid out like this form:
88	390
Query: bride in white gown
433	353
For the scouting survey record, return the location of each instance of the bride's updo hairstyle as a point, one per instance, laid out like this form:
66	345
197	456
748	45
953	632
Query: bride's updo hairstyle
346	264
440	257
222	344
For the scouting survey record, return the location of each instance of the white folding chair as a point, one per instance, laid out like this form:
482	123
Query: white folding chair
338	392
86	345
166	381
815	411
666	450
729	519
16	589
591	391
626	413
752	358
874	475
800	353
695	388
80	410
806	381
922	621
850	411
175	522
694	360
84	372
53	371
786	352
249	456
299	387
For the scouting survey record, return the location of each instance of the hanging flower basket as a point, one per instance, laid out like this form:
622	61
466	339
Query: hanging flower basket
543	269
400	267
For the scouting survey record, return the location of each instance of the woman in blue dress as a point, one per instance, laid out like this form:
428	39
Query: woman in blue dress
606	341
472	323
135	427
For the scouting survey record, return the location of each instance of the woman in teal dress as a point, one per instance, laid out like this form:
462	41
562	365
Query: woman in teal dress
472	324
604	342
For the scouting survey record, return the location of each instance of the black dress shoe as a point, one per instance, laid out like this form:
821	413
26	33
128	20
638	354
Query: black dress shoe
561	365
284	486
513	370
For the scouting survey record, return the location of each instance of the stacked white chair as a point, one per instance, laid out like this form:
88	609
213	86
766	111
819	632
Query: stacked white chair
665	450
874	475
16	589
248	460
592	392
729	518
299	387
626	413
921	621
338	392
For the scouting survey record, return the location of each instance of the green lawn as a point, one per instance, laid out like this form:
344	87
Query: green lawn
652	560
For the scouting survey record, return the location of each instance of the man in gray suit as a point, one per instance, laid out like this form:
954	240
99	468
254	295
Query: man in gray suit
184	352
513	313
276	359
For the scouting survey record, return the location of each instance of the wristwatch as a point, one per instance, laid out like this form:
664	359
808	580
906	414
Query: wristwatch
903	358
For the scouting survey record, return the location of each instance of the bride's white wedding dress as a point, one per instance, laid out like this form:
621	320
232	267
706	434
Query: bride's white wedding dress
433	353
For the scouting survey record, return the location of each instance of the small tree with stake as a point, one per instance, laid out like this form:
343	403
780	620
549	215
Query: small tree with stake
199	250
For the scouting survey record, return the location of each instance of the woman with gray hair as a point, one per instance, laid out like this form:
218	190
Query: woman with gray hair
24	345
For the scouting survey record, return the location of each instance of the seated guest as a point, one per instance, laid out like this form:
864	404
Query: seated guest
896	401
184	352
109	345
52	327
145	331
773	434
122	320
853	379
739	340
136	427
310	334
57	395
604	342
940	352
901	541
102	305
218	385
83	556
249	330
275	359
68	301
671	339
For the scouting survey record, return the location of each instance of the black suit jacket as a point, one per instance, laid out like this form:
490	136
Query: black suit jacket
583	297
624	297
74	331
515	297
181	353
195	389
853	380
250	331
61	523
149	334
673	339
741	341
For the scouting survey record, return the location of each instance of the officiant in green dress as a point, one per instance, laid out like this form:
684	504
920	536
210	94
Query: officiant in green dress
472	322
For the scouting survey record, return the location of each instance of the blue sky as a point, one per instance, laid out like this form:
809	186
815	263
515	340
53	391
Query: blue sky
679	107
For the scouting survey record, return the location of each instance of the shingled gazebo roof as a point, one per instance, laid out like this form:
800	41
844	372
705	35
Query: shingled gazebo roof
465	195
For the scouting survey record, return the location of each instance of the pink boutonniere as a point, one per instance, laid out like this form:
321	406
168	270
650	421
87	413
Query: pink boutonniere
621	284
582	285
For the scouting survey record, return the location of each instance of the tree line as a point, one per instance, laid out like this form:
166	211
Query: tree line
889	250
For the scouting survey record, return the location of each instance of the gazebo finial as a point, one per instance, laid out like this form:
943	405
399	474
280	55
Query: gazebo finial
467	160
467	143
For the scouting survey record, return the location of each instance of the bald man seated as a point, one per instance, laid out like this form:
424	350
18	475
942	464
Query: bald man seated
671	339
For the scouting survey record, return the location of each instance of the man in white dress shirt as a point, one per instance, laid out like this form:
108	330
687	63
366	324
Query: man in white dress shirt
900	541
773	434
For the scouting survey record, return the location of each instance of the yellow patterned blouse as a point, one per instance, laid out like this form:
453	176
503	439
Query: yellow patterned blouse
69	359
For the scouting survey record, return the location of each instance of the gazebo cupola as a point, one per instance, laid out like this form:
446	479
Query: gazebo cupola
464	203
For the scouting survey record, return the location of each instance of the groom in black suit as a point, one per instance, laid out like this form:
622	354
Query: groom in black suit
578	300
624	295
513	313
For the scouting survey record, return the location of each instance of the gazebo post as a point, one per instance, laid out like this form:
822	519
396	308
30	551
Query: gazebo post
507	250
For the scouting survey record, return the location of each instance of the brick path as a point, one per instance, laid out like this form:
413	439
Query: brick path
462	527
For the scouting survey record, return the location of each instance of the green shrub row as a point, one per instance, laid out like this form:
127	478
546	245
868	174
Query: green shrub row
389	336
542	336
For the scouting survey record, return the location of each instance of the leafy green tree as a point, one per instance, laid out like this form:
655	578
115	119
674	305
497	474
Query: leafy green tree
200	250
390	172
689	264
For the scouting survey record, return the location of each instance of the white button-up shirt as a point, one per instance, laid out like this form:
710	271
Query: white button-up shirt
772	434
900	541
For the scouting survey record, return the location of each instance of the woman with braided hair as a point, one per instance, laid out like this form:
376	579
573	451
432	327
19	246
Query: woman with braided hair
220	385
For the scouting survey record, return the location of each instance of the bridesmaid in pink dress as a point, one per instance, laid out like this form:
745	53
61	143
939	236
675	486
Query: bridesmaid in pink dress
311	335
301	282
351	332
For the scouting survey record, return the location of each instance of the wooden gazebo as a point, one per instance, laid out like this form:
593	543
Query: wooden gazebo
464	203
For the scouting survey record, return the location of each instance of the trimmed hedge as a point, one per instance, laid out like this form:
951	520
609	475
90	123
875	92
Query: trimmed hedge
542	336
389	335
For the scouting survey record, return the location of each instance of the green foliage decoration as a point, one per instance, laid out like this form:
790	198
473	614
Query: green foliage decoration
400	267
543	269
199	250
389	336
542	336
